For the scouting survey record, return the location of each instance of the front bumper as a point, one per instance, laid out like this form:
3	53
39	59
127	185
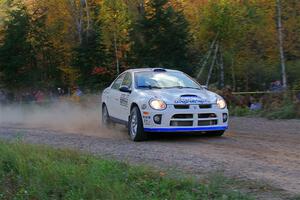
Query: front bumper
187	129
193	119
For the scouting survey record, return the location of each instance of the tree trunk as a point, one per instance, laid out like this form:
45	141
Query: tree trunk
116	52
76	13
88	18
222	76
207	57
233	75
280	42
212	64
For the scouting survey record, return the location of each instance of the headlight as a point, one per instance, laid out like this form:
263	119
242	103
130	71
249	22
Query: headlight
221	103
157	104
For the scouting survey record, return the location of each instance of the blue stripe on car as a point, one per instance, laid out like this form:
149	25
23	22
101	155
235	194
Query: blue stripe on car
185	129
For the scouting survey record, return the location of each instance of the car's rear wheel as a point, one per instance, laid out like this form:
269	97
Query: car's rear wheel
135	125
106	121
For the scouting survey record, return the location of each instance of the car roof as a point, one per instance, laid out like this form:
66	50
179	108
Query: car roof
150	70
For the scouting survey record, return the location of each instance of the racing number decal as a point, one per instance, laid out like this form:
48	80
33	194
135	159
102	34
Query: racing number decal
124	100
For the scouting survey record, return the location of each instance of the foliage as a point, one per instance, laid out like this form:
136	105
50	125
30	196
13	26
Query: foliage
274	107
16	51
285	109
116	27
242	111
28	56
42	41
285	112
90	53
162	36
28	172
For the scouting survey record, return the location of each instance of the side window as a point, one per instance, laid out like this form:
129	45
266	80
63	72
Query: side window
127	80
117	84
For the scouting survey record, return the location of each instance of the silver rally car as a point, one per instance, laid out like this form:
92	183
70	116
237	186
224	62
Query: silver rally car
162	100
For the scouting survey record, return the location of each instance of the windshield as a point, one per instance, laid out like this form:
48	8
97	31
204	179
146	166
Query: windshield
160	80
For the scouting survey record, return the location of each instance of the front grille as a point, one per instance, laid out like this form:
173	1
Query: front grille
207	122
197	119
181	106
182	116
205	106
182	120
181	123
207	115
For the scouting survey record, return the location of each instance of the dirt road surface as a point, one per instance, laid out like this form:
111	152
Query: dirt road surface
254	148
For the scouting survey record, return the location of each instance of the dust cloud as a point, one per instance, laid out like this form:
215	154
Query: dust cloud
64	116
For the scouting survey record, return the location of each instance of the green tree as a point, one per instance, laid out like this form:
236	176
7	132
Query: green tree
116	25
244	37
161	36
90	53
47	58
16	51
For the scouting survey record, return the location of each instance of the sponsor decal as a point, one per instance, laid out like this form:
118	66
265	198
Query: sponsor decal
124	100
147	120
191	100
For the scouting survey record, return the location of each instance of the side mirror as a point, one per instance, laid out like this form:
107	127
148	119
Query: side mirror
125	88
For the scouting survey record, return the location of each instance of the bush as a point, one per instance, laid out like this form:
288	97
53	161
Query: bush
287	111
275	106
242	111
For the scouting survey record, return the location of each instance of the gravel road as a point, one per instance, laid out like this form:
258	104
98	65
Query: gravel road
253	148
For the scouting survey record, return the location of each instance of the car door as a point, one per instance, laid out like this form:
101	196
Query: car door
113	101
124	97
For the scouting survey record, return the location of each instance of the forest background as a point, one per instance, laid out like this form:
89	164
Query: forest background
241	44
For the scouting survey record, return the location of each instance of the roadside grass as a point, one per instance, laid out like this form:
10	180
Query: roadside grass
36	172
287	111
242	112
296	198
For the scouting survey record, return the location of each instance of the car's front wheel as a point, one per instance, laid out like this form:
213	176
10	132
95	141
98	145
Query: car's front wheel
135	125
106	121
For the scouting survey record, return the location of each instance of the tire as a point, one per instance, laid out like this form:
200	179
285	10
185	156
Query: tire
106	121
215	133
135	125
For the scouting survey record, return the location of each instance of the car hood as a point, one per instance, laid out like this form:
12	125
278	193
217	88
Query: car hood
182	96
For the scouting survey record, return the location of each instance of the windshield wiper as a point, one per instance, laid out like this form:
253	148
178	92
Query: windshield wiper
149	87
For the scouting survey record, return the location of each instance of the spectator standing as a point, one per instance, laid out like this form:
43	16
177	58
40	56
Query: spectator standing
39	97
77	94
2	97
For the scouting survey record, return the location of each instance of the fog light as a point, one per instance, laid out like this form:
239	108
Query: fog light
157	119
225	117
